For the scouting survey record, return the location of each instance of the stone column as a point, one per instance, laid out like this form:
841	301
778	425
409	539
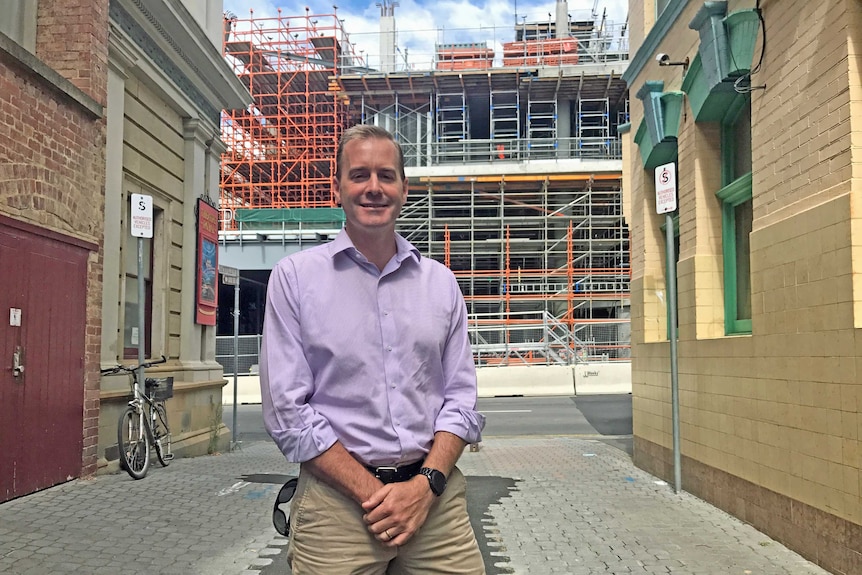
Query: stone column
216	147
196	136
120	61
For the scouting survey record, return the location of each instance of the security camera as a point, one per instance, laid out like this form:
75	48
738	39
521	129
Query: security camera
664	60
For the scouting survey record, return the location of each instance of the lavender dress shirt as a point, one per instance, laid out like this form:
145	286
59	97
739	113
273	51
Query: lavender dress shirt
378	360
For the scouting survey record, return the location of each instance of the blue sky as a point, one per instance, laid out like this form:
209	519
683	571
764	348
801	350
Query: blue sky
421	23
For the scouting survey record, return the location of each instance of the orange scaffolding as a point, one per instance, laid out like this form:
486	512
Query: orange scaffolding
281	150
543	51
465	56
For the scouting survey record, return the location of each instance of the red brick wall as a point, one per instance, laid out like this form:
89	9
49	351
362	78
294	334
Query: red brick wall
72	38
52	156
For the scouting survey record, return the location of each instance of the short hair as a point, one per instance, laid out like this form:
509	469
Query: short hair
367	132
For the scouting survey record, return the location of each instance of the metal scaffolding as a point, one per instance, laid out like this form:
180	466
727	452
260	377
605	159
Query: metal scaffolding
282	149
541	253
530	252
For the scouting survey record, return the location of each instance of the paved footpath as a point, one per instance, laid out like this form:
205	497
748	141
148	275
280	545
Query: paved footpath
578	507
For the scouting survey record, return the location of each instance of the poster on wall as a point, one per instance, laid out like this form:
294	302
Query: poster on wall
207	264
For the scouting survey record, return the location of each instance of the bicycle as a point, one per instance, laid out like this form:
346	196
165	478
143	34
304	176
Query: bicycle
144	422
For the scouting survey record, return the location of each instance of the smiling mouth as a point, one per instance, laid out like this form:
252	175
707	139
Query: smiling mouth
373	205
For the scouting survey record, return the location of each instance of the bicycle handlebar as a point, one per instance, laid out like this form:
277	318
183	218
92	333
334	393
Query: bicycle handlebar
132	368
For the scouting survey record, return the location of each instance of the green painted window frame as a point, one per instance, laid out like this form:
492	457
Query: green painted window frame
728	143
736	191
667	271
732	195
661	6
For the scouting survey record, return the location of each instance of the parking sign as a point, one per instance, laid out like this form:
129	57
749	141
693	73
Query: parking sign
142	216
665	188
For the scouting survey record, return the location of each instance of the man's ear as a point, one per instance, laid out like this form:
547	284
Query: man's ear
336	191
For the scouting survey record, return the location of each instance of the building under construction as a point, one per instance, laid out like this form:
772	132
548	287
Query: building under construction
512	155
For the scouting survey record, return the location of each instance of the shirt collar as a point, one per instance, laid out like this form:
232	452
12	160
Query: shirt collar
405	249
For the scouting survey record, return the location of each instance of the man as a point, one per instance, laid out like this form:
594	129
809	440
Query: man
367	379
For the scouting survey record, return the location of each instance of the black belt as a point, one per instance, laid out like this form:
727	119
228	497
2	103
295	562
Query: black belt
395	474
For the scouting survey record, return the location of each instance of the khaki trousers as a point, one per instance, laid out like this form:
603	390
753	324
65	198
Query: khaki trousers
329	537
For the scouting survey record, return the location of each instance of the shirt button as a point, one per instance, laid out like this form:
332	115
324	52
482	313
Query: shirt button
389	348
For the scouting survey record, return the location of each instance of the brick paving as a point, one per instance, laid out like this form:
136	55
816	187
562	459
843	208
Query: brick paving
578	507
582	507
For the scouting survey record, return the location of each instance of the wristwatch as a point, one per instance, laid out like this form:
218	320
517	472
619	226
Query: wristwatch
436	479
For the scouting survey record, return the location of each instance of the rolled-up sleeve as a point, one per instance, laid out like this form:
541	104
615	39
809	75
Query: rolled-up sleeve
459	415
286	379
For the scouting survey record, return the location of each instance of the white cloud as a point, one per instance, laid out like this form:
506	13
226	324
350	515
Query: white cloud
422	23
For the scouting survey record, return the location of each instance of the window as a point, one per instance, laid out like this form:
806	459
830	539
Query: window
660	5
131	330
736	215
19	21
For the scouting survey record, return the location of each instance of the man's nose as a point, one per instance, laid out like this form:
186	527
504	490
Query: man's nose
374	183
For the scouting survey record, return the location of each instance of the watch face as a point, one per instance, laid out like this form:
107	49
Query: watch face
438	483
436	479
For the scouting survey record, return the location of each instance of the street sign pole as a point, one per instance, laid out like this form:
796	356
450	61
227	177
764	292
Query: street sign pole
235	356
142	295
141	226
674	358
666	203
230	276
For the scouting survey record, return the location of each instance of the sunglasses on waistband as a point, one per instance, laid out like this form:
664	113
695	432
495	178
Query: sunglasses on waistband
280	519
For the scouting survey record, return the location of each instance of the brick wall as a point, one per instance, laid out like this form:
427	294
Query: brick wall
52	155
809	140
72	38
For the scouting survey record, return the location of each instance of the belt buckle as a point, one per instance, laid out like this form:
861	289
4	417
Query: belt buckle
386	474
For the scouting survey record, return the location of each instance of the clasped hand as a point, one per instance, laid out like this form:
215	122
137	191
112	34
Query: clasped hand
396	511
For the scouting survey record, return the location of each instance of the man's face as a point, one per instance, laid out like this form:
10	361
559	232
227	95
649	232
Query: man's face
370	189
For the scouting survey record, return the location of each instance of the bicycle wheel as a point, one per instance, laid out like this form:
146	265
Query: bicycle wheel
162	435
133	444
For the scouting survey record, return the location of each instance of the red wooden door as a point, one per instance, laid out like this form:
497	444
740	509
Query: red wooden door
42	282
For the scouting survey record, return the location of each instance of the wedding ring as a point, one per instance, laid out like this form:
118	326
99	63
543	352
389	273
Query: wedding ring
388	536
